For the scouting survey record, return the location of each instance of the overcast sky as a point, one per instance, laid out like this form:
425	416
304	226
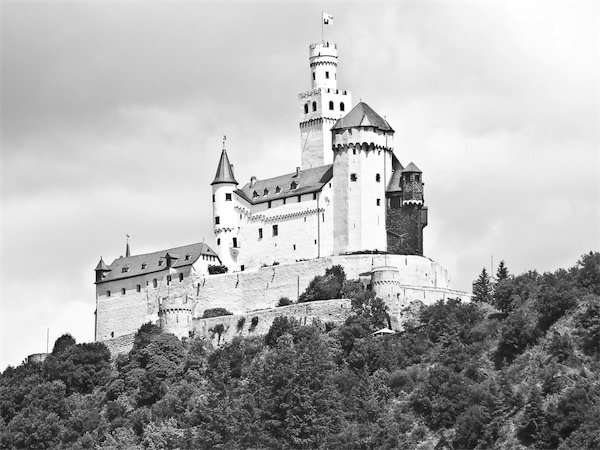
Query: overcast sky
113	115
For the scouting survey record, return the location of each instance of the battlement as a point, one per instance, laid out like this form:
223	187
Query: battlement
325	90
323	49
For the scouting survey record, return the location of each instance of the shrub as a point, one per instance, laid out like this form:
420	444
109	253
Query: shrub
214	269
253	323
325	287
215	312
240	323
284	301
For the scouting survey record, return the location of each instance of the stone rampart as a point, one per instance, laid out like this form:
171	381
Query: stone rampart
121	344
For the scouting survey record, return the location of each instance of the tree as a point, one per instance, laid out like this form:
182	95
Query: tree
482	288
366	304
501	272
588	275
62	343
325	287
215	312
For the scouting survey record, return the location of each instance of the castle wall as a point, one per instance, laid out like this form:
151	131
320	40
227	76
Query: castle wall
405	229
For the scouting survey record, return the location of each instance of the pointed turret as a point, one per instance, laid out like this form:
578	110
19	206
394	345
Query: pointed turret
101	270
224	171
362	115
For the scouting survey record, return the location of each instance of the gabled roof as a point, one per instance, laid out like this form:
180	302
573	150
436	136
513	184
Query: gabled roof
362	115
394	183
412	168
224	172
151	260
307	181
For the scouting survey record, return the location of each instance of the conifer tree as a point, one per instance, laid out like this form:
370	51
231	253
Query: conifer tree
501	272
482	288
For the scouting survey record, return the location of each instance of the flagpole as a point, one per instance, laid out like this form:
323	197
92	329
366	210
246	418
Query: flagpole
322	33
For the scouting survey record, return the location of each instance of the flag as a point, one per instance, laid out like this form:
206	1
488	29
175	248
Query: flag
327	19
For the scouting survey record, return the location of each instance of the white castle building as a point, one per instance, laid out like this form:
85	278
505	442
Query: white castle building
350	199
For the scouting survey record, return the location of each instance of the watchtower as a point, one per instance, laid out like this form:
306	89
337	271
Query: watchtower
320	107
175	316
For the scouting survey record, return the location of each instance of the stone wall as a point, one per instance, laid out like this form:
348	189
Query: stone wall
405	230
121	344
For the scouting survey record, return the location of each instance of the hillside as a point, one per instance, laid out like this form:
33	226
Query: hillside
519	368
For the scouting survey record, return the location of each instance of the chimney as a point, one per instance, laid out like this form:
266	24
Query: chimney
252	181
297	172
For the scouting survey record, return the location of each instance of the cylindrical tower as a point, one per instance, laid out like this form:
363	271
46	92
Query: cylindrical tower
385	282
175	316
225	220
323	65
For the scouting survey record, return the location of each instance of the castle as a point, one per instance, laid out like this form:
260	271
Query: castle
351	202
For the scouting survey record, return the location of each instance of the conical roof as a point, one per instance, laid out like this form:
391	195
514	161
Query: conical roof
102	266
224	172
362	115
412	168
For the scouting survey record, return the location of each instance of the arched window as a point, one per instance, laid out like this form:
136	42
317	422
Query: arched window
138	288
122	291
108	293
331	106
180	277
342	106
314	106
378	178
154	283
306	109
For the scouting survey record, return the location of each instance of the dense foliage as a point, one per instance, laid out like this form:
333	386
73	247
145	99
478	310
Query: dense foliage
521	371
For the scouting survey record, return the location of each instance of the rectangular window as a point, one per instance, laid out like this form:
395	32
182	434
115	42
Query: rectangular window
326	74
275	230
138	288
228	197
269	205
284	201
314	195
213	198
219	241
353	177
299	198
242	267
235	243
378	202
294	246
217	220
260	233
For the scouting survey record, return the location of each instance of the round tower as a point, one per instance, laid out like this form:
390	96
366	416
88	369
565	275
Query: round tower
411	181
225	220
362	166
323	65
385	282
175	316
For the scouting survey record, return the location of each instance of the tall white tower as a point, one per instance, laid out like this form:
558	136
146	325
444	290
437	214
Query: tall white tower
225	220
362	168
321	107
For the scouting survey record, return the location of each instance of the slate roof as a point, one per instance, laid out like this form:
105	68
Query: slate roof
412	168
151	259
224	173
309	180
362	115
101	265
394	183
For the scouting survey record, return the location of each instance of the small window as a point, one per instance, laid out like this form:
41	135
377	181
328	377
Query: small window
180	277
218	241
235	242
294	246
254	194
242	267
154	283
168	279
314	106
306	109
378	178
284	201
314	195
266	192
138	288
161	262
353	177
354	151
112	334
299	198
217	220
187	257
213	198
144	265
108	293
294	185
327	74
260	233
275	230
323	218
378	202
122	291
269	204
125	269
227	197
342	106
331	106
277	190
314	76
417	178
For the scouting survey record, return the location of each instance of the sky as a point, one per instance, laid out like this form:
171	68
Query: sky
112	117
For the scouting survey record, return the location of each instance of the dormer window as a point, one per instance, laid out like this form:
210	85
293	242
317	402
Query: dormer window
266	192
161	262
187	257
277	190
254	194
144	265
125	269
294	185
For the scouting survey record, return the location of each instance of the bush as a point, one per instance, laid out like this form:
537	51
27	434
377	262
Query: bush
214	269
253	323
284	301
325	287
215	312
240	323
